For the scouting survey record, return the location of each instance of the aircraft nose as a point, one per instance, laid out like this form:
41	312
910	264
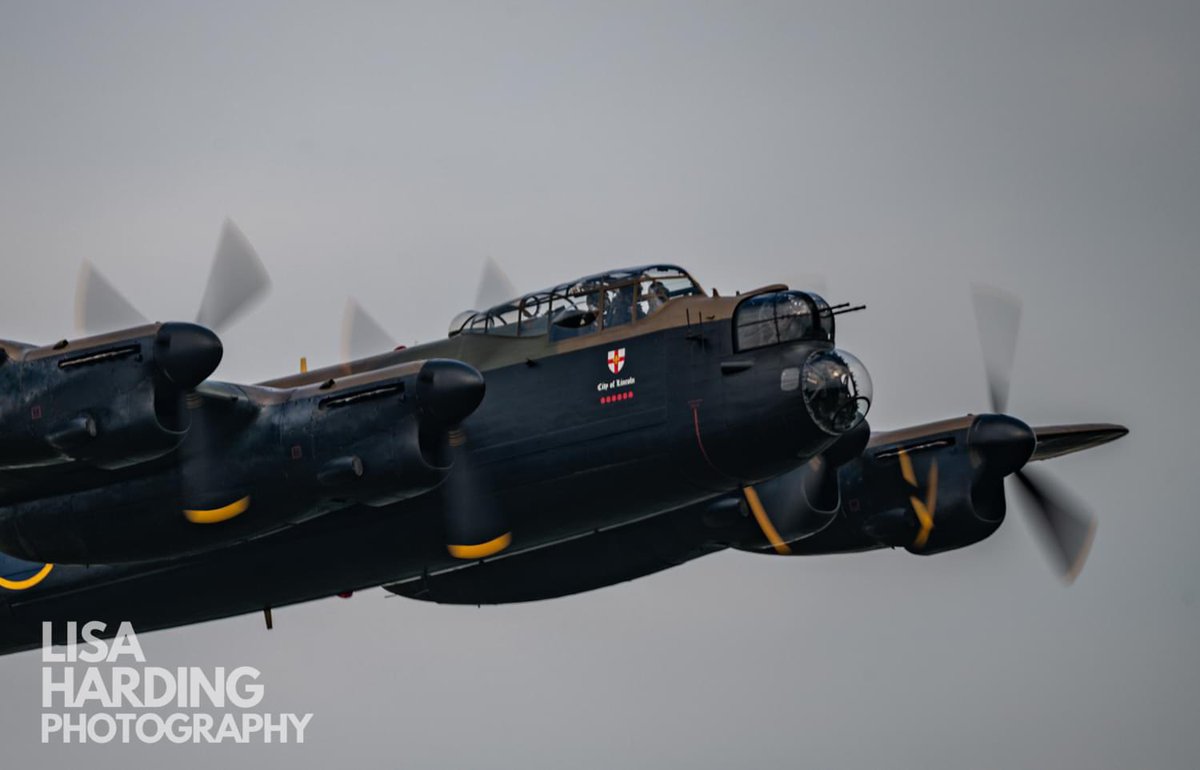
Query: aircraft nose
836	389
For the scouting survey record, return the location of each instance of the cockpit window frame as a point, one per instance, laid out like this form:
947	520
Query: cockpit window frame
820	326
566	296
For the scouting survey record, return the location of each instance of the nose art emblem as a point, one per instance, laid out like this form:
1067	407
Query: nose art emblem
616	360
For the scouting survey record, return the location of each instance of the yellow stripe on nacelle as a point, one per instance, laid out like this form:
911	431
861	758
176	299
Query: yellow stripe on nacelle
922	508
215	515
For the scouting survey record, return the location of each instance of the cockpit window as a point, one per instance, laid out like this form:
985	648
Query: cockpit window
785	316
583	306
794	316
504	320
755	323
618	305
676	282
577	312
535	314
652	294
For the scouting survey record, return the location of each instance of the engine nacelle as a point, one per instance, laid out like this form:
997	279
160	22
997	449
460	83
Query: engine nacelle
374	438
941	491
258	460
928	489
110	401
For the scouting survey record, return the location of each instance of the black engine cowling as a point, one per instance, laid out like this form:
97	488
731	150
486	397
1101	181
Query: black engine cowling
928	489
111	401
260	459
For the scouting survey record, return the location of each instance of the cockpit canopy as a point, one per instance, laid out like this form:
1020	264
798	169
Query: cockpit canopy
782	316
582	306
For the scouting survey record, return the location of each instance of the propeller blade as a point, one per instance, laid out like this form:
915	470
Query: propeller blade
206	493
821	488
1067	529
99	307
362	335
447	393
805	500
475	526
196	459
998	315
237	280
494	286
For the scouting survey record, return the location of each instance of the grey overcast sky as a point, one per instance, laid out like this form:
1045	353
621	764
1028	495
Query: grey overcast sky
896	152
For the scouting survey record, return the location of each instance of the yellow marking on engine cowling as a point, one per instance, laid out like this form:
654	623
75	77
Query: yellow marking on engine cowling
29	582
924	509
215	515
906	468
764	522
481	550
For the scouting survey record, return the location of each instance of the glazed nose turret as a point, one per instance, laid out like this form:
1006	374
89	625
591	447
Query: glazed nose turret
836	389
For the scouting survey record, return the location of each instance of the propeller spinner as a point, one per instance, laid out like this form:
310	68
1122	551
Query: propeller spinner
475	526
237	280
1066	528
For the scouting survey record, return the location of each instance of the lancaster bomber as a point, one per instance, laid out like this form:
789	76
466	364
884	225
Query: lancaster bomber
565	439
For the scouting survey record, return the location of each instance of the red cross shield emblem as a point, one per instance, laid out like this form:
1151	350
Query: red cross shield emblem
616	360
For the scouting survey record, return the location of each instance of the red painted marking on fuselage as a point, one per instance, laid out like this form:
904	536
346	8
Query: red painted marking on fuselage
616	397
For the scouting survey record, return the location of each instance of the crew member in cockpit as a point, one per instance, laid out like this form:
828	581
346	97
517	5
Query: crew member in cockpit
653	297
619	306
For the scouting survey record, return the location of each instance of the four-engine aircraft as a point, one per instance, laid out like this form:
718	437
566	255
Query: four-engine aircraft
562	440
